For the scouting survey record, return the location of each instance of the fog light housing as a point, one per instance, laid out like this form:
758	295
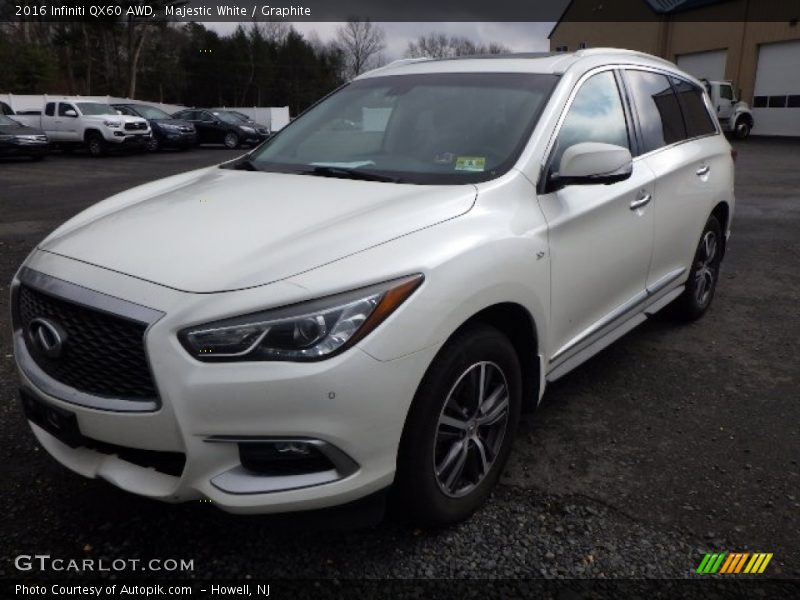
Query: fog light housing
283	457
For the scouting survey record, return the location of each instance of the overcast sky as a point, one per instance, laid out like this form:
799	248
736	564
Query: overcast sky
518	37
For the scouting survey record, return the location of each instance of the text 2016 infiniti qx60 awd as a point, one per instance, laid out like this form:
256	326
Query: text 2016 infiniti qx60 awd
370	298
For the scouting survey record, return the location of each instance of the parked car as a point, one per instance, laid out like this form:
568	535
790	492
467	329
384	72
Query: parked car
76	122
340	311
17	139
220	127
168	132
260	128
734	115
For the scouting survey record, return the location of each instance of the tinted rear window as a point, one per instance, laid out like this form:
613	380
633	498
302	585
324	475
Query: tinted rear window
660	116
695	114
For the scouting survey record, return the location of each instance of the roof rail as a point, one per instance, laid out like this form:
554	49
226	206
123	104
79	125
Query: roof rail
595	51
397	63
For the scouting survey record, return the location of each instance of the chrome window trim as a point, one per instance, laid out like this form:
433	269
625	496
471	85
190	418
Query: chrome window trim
668	74
565	111
94	300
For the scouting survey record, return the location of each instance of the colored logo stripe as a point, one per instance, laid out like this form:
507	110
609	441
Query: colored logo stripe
734	562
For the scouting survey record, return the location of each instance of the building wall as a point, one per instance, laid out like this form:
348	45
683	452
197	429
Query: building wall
672	37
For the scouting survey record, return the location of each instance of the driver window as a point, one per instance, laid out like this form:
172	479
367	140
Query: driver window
63	108
726	92
206	117
595	115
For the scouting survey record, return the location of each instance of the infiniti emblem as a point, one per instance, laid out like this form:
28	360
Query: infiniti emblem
48	337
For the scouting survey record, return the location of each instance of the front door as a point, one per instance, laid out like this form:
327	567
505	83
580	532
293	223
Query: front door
601	236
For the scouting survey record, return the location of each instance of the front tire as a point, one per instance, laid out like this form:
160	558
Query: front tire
153	144
702	283
96	144
460	428
231	141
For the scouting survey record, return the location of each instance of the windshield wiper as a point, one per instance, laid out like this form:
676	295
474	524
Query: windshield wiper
346	173
244	164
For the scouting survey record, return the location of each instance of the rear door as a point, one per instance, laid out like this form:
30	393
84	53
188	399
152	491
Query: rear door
601	236
681	146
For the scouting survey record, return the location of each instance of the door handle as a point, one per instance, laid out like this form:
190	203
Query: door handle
703	170
643	200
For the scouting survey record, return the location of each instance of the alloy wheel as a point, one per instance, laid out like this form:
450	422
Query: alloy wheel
471	428
231	140
705	273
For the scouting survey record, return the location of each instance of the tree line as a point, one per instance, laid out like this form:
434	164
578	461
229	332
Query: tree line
258	64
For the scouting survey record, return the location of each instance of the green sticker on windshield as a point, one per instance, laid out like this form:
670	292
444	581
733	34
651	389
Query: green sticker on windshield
470	163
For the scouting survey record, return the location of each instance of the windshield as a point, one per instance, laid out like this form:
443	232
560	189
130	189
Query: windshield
151	112
433	128
227	117
95	108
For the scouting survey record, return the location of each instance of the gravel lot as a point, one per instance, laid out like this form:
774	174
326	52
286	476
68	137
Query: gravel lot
675	441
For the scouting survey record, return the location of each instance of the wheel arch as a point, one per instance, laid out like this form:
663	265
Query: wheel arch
722	212
519	326
91	131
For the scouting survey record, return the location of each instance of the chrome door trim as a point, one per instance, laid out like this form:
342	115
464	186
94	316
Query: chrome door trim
619	312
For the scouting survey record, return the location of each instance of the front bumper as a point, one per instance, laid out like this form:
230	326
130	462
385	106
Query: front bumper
177	139
17	148
125	139
352	403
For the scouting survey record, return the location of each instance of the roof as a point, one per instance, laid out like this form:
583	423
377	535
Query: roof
526	62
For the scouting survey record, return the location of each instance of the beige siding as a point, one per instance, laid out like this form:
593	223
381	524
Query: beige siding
673	37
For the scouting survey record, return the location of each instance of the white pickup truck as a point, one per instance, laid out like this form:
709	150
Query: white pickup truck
734	115
72	122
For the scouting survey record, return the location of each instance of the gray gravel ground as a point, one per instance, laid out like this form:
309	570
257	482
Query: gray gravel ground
674	442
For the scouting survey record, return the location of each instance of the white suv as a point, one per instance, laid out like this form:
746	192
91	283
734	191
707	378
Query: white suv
372	297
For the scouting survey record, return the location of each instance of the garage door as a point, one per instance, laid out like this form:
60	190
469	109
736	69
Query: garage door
776	102
705	65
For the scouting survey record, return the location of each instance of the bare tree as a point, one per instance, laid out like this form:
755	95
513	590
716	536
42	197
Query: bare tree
439	45
361	43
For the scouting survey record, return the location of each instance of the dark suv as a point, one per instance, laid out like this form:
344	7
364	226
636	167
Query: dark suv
222	127
167	131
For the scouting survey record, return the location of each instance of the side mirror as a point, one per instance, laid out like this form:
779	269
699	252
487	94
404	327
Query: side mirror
119	112
70	113
593	163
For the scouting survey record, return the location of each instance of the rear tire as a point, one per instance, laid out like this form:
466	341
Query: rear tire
460	428
703	275
742	129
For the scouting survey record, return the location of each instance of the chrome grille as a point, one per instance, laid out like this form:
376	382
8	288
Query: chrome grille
103	355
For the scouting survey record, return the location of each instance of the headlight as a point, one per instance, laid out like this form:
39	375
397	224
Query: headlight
112	124
300	332
247	129
169	126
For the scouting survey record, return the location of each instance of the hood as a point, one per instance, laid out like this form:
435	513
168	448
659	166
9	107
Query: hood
218	230
19	129
123	118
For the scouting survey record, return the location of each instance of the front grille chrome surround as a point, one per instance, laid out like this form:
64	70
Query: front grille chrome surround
105	365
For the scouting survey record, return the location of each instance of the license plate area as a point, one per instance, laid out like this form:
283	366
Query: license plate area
60	423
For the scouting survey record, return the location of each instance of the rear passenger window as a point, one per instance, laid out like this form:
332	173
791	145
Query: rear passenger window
695	114
50	109
660	117
596	115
